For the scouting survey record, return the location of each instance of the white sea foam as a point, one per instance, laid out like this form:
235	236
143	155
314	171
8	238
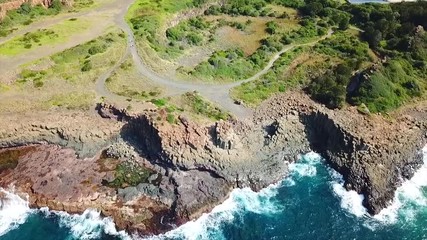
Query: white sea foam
13	211
89	225
408	200
240	201
351	201
306	165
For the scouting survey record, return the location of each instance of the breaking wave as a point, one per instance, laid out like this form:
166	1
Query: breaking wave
309	202
208	226
89	225
13	211
242	201
408	201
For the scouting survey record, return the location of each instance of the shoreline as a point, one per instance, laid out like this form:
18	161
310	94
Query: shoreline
199	165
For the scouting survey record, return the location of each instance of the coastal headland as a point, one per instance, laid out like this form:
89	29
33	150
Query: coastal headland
153	112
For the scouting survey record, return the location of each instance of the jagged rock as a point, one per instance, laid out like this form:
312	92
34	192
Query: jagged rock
199	164
224	136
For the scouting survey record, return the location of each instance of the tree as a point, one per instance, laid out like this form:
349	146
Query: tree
344	22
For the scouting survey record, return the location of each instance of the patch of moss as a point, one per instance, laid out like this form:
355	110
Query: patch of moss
129	174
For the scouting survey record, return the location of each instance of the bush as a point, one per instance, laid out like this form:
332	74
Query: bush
330	88
271	27
87	66
97	49
175	34
170	118
159	102
194	38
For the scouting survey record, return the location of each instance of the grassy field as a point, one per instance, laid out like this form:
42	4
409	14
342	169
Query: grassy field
298	67
65	80
26	15
59	33
193	105
127	82
294	69
249	39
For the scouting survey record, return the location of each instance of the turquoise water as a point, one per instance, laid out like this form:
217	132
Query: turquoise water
309	204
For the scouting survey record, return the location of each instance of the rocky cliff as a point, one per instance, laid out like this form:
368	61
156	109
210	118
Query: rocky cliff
373	153
185	169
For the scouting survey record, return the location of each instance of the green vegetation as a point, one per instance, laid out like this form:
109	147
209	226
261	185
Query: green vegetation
72	100
130	174
27	14
147	17
293	69
393	32
57	34
189	32
33	76
351	70
330	88
389	87
203	108
59	82
230	65
70	64
253	8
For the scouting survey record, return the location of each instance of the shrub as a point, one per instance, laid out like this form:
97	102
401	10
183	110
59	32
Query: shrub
97	49
330	88
87	66
194	38
159	102
271	27
170	118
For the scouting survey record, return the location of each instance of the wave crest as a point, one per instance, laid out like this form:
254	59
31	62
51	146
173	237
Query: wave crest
13	211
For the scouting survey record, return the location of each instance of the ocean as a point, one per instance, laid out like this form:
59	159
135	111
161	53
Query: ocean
310	203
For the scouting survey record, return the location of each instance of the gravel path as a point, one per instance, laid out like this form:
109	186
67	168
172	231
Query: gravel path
218	93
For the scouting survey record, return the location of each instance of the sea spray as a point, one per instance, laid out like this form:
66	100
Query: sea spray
351	201
89	225
305	166
409	198
242	201
407	202
208	226
13	210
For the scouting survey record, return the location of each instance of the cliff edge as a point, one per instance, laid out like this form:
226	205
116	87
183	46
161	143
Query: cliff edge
151	176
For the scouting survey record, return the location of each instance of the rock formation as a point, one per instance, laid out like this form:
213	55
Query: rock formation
189	168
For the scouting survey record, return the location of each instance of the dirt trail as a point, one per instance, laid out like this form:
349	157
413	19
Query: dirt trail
112	15
102	18
218	93
50	21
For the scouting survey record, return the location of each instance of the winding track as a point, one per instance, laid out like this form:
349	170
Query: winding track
216	93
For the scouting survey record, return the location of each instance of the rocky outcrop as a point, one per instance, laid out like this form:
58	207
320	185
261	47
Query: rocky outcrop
85	133
193	167
372	153
373	169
